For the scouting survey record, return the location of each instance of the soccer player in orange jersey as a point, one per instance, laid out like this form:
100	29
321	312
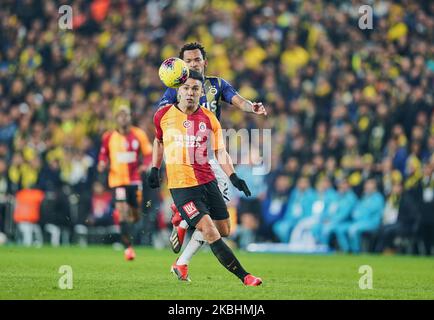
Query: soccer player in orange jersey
184	132
215	90
121	150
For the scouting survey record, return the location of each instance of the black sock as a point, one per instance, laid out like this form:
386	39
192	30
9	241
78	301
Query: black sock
227	258
125	234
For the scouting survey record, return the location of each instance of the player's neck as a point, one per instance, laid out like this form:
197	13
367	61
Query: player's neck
124	130
186	109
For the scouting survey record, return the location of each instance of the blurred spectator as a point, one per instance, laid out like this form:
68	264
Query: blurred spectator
102	219
299	206
23	174
27	214
426	223
275	204
7	128
55	211
399	219
4	194
390	176
324	197
366	217
339	212
102	207
249	208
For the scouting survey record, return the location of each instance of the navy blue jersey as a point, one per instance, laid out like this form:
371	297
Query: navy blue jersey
215	89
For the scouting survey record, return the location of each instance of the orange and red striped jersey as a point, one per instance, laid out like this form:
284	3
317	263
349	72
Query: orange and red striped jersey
186	140
122	152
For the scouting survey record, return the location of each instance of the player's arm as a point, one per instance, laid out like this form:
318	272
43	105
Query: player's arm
169	97
248	106
230	95
157	152
103	156
224	159
157	159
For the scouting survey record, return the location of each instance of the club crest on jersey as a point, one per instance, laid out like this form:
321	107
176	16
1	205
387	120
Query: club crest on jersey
202	126
190	209
135	144
187	124
213	90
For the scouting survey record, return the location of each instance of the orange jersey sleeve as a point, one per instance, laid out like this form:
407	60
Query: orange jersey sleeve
161	112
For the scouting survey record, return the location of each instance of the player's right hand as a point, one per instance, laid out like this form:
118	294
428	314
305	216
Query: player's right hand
240	184
258	108
154	178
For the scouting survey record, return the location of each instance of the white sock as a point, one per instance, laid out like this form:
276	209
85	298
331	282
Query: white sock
183	224
192	247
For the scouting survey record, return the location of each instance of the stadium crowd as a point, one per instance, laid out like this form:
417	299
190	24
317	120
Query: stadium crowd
351	113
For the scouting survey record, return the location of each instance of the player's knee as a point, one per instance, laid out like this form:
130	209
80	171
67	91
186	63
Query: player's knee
208	229
224	228
225	231
134	215
210	234
122	208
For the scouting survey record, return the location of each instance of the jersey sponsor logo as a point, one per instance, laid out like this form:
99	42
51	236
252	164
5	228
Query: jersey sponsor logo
188	141
210	105
187	124
202	126
190	209
126	157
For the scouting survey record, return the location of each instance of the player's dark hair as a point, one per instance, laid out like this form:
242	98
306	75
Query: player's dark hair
192	46
195	75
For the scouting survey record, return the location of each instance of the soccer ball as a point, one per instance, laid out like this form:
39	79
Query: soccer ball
173	72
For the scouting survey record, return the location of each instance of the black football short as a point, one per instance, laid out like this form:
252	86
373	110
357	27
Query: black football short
131	194
195	202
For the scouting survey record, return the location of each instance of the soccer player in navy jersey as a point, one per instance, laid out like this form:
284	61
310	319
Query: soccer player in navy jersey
215	90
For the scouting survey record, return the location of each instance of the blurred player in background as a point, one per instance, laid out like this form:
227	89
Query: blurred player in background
121	151
184	131
215	90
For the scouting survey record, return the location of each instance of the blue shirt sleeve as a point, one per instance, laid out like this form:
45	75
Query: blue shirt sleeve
227	91
168	97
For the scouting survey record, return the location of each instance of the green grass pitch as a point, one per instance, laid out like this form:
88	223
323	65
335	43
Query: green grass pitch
102	273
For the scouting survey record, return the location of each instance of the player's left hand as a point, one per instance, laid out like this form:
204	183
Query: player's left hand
258	108
154	178
240	184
